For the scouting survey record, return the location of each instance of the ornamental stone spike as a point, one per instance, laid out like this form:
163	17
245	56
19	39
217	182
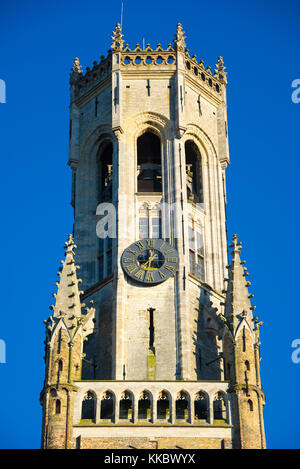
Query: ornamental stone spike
67	295
68	306
220	70
76	71
179	41
237	297
117	44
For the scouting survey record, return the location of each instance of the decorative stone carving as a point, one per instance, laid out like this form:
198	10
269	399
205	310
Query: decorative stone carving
180	39
118	42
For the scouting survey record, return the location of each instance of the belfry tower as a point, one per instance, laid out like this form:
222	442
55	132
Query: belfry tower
166	354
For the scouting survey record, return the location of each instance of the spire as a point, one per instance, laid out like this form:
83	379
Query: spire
118	42
220	70
67	299
238	304
179	39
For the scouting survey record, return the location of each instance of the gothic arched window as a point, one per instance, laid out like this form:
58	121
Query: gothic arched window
219	407
163	405
149	163
196	252
182	406
201	406
107	406
144	406
104	170
104	194
126	405
88	406
193	172
57	406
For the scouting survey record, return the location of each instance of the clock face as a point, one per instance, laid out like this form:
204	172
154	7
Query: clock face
150	261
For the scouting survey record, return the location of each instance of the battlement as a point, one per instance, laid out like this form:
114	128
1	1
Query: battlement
147	59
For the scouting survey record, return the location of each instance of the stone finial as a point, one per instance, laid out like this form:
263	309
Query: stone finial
180	39
69	245
236	245
118	42
76	66
220	70
76	72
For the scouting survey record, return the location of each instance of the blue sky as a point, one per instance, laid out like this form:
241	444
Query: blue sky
260	45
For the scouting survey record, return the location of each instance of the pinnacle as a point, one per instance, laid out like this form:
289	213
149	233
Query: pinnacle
68	306
77	69
117	38
180	38
237	295
67	295
220	70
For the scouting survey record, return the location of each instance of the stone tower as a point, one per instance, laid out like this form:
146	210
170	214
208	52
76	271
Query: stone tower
167	353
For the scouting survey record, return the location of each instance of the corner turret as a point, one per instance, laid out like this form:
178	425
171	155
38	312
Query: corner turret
66	330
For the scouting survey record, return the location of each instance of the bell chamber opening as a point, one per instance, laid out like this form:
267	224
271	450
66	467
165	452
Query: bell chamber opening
149	163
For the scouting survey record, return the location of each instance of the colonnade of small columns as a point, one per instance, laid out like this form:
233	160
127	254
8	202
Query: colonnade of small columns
182	406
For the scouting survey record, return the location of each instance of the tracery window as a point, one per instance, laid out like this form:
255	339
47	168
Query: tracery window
150	223
196	253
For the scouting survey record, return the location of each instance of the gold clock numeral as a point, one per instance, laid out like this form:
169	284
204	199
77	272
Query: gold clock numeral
172	259
162	275
132	251
131	268
169	251
150	243
162	245
170	268
140	274
149	277
128	260
140	245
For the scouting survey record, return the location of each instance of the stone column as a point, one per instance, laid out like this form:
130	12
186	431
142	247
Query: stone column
173	409
98	409
192	410
229	420
117	409
211	410
154	410
135	410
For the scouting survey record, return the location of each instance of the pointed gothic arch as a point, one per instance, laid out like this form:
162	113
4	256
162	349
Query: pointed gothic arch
163	405
104	171
201	406
220	407
107	406
88	406
182	406
193	164
126	405
145	405
149	163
